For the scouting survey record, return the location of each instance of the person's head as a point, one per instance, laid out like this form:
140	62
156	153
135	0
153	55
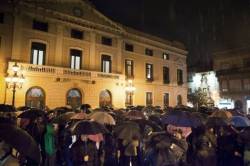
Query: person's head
83	137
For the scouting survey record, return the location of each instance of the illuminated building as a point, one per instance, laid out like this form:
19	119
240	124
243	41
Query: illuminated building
69	54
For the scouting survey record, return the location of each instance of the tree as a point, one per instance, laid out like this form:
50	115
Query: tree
200	98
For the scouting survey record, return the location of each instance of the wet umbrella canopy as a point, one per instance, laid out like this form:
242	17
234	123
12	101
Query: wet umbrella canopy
134	114
7	108
181	118
32	114
103	118
21	141
128	131
216	122
88	128
240	121
63	118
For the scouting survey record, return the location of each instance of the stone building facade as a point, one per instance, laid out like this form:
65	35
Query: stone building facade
232	70
69	54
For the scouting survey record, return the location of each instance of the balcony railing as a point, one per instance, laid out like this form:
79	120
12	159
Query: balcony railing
29	69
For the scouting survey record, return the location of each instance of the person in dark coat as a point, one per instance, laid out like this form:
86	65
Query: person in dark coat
229	152
83	152
205	149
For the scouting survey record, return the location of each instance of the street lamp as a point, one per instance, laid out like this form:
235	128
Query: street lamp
130	91
14	80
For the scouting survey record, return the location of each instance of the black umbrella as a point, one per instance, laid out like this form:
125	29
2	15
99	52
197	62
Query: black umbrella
21	141
128	131
7	108
88	128
216	122
63	118
181	118
32	114
143	123
23	108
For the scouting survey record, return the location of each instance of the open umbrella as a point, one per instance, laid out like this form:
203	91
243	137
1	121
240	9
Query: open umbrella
240	121
103	118
216	122
143	123
21	141
134	114
79	116
7	108
88	128
32	114
63	118
181	118
23	108
127	131
222	114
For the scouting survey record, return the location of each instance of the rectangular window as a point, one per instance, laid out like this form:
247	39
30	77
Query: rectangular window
129	99
75	59
179	77
166	99
1	18
38	51
76	34
149	52
129	47
129	68
149	98
165	56
149	72
106	64
41	26
166	79
107	41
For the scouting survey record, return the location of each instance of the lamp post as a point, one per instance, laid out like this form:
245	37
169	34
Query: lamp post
130	91
14	80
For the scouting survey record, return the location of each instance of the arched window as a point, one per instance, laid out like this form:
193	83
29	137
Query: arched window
35	98
105	98
74	98
179	100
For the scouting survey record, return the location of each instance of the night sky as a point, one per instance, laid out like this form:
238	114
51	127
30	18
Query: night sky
204	26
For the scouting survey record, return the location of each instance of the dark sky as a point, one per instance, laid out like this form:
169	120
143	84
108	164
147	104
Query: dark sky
204	26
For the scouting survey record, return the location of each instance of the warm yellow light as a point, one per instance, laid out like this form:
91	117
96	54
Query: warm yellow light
15	67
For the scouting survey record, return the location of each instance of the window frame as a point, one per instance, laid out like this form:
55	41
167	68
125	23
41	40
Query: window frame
107	58
151	71
40	25
149	52
108	41
164	99
132	68
72	55
75	32
129	47
39	47
148	101
165	54
180	77
166	81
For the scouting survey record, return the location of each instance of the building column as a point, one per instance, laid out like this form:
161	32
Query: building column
59	46
92	51
16	46
119	55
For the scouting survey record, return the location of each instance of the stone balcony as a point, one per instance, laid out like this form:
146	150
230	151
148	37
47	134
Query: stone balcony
64	73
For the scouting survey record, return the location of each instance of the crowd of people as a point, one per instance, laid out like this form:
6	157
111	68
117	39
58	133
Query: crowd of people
136	136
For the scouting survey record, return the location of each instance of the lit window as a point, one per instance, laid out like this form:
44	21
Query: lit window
76	56
149	72
165	56
106	64
129	68
38	53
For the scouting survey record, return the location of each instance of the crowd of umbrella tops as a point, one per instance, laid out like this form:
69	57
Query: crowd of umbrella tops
140	122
